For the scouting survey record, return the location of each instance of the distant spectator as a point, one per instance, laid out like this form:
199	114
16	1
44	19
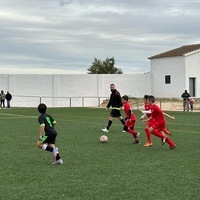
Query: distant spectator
185	97
191	102
2	97
8	99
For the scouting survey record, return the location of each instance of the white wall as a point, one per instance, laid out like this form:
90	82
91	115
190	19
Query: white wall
180	68
135	85
173	66
28	88
193	70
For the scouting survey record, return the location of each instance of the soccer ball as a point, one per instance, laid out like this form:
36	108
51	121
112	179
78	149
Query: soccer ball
103	139
192	101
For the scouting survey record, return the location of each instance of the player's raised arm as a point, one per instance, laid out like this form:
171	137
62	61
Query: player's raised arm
169	116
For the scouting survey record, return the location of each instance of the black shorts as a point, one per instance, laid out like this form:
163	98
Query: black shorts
49	139
115	113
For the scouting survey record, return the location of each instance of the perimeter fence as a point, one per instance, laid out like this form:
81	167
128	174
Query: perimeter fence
99	102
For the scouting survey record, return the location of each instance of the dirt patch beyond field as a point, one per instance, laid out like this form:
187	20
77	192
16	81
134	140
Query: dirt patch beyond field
164	103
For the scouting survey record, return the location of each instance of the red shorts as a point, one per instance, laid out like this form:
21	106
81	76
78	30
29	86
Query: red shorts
157	125
150	122
130	123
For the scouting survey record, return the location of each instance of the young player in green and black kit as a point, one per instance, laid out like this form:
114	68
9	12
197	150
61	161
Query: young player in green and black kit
47	133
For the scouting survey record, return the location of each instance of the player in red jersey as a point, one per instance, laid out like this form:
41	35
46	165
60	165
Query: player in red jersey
130	120
147	114
158	123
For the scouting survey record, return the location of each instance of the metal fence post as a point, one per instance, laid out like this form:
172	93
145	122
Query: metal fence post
99	102
82	101
160	103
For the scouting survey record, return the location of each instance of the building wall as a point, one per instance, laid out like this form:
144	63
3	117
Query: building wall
193	70
180	68
55	90
173	66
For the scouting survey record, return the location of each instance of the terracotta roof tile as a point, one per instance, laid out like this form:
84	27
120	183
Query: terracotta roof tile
178	51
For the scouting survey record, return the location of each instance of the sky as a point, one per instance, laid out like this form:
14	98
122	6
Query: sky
64	36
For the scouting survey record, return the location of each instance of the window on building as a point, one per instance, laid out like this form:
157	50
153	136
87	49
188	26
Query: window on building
167	79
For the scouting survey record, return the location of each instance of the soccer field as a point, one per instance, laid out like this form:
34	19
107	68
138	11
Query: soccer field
117	170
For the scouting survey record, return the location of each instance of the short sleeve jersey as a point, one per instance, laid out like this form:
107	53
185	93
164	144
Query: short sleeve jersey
147	107
127	109
157	114
47	121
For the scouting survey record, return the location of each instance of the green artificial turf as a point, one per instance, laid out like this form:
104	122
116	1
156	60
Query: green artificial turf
93	170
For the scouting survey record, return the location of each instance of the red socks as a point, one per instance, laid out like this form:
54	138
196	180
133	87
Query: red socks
160	135
134	133
148	134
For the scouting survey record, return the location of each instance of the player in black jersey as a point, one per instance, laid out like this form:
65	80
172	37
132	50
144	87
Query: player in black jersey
115	103
47	133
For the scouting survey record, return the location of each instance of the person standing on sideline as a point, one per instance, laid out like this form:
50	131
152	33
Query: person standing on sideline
116	103
130	120
185	97
2	97
8	99
158	123
47	133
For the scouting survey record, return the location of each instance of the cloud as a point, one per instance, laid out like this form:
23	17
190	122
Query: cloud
68	34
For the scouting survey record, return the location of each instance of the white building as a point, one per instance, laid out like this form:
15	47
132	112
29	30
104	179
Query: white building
171	73
176	70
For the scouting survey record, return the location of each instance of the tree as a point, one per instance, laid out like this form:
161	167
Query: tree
104	67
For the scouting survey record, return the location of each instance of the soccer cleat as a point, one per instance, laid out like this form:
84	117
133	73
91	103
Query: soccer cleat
58	162
137	141
172	147
163	140
148	144
55	152
123	131
105	130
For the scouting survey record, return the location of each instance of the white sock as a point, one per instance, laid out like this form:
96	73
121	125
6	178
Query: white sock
44	146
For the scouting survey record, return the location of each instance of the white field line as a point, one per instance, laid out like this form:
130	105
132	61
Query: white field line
13	116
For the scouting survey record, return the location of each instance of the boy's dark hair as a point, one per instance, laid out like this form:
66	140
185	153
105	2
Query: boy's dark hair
125	97
42	108
151	98
146	96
